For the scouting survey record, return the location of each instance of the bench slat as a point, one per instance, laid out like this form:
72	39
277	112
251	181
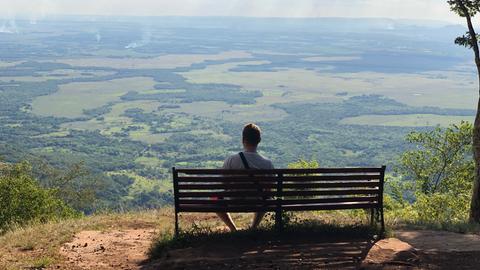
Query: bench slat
212	208
253	186
277	171
232	209
238	194
339	192
228	202
329	206
330	200
313	178
274	202
241	194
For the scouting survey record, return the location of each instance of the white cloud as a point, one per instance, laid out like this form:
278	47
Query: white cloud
412	9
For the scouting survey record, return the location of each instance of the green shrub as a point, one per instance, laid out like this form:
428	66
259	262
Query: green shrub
442	207
436	178
23	200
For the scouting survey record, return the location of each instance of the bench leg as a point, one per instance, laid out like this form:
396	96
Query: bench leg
372	216
176	224
382	220
278	221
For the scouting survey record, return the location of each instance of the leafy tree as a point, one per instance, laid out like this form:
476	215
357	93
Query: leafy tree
441	174
468	9
441	159
74	184
23	200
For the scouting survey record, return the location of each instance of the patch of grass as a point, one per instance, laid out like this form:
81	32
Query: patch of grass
42	262
27	246
457	227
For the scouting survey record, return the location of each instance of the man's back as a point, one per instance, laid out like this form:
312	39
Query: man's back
254	160
251	137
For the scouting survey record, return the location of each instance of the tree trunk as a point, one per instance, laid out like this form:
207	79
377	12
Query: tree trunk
475	204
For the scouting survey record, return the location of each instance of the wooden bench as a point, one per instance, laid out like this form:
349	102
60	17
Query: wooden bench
279	190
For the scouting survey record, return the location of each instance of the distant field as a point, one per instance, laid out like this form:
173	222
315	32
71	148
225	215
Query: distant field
4	64
164	61
73	98
234	113
145	135
113	122
149	161
56	75
143	184
407	120
448	89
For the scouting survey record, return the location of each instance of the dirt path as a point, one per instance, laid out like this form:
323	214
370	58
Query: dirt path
440	241
127	249
124	249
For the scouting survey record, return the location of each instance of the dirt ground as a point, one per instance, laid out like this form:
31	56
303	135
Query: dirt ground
126	249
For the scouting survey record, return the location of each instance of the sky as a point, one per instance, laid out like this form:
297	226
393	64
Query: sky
395	9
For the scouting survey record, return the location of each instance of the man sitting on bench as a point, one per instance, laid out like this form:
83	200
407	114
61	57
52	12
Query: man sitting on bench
248	159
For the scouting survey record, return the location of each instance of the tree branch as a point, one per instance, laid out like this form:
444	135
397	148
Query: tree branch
471	30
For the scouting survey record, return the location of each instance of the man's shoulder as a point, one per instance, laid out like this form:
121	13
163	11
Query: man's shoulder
266	159
233	157
265	163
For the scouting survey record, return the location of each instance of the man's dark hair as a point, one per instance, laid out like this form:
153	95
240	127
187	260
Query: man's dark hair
251	134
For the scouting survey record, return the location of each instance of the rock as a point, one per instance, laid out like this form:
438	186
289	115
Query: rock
390	251
99	248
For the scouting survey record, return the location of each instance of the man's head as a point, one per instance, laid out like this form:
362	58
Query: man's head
251	135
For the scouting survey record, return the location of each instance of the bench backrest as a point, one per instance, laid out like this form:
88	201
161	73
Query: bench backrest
212	190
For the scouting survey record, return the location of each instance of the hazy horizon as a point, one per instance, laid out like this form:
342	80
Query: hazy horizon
438	10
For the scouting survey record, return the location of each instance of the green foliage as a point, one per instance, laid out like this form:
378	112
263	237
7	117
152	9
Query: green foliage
438	174
289	218
441	160
74	184
303	164
23	200
441	208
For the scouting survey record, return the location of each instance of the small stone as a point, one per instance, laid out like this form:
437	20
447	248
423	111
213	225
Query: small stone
99	248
